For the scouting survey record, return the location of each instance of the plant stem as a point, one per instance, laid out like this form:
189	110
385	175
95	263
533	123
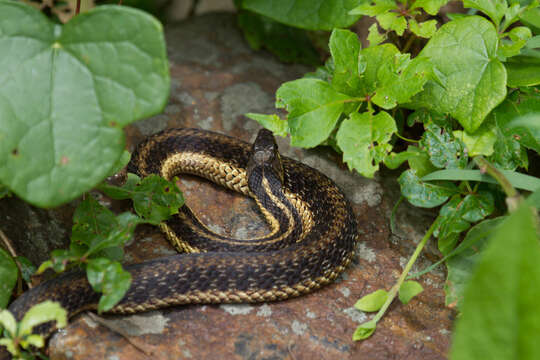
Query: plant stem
406	139
512	196
78	8
395	289
408	44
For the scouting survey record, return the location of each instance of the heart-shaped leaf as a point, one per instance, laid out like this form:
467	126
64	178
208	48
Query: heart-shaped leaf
67	91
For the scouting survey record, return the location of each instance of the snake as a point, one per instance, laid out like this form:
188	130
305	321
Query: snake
311	237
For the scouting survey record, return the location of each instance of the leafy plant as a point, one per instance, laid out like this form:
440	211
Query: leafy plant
18	337
98	235
470	84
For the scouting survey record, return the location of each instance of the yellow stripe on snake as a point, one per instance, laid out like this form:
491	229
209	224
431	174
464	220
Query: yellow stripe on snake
311	239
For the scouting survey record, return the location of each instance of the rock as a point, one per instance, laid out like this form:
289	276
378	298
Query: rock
216	78
35	232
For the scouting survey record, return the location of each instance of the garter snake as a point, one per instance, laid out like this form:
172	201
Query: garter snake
311	239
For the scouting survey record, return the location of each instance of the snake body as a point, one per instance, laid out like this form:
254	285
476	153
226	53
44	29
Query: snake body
311	240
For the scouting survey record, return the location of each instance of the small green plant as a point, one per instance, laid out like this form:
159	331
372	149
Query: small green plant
98	235
18	337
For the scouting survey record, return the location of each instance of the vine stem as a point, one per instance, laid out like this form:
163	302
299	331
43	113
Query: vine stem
395	289
512	196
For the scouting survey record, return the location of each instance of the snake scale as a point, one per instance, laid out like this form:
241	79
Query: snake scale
311	239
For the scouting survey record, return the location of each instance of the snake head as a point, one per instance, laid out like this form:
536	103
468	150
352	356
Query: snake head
265	158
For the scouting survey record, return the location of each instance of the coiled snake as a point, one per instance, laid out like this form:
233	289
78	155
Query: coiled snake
311	240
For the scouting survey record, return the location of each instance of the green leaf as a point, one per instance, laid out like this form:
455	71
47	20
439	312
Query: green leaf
323	73
534	199
10	345
408	290
373	58
522	71
461	261
500	310
457	214
418	160
373	301
374	8
67	91
108	277
509	154
400	79
306	14
393	22
156	199
518	38
42	313
314	108
365	330
531	17
271	122
424	116
430	6
481	142
7	321
518	180
287	43
424	194
477	206
511	15
475	235
463	52
344	47
527	128
121	163
60	258
33	340
495	9
98	228
8	277
121	192
364	140
374	36
450	224
424	29
443	149
27	268
394	160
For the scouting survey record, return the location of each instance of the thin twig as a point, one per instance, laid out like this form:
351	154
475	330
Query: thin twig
9	246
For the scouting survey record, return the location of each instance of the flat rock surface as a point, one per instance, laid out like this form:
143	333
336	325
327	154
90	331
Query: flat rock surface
216	79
